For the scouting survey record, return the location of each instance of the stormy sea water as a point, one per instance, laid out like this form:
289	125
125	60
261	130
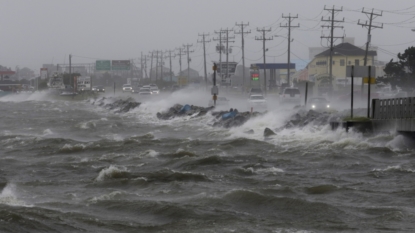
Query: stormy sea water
75	166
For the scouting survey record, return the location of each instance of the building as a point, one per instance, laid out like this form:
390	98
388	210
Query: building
190	72
344	54
162	73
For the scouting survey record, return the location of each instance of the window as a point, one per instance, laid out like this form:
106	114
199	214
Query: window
357	62
321	63
349	62
342	63
334	62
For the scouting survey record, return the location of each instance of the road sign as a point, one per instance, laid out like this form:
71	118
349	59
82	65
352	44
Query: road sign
120	64
255	76
182	80
372	80
103	65
230	67
43	73
360	71
214	90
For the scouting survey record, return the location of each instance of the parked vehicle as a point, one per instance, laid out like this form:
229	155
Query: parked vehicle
127	88
290	95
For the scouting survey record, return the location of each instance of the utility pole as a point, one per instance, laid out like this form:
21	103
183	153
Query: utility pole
204	41
219	49
331	37
187	46
180	58
151	64
70	70
370	26
145	66
289	26
161	65
142	66
242	25
157	63
263	38
171	73
227	51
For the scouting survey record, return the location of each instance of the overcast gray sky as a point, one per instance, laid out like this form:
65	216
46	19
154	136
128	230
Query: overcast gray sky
47	31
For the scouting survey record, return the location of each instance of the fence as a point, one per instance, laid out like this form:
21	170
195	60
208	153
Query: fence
397	108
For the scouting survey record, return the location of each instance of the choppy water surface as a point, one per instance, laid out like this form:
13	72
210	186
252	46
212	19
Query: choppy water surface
68	166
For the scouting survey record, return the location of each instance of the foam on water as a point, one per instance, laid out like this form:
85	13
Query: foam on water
111	172
8	196
395	168
313	136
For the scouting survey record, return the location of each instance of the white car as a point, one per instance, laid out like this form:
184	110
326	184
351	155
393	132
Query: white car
145	91
290	95
127	87
154	90
257	102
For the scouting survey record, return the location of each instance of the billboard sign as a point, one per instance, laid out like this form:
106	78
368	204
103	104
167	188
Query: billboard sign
182	80
222	67
361	71
120	64
103	65
43	73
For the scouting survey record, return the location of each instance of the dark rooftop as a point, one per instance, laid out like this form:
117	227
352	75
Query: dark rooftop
346	49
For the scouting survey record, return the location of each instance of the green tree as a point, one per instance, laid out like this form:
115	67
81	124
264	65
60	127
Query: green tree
407	60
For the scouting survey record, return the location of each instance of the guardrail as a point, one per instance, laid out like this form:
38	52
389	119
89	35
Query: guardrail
397	108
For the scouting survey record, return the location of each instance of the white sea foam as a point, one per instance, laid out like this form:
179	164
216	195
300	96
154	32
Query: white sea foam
106	197
8	196
87	124
149	153
47	132
272	170
398	168
110	172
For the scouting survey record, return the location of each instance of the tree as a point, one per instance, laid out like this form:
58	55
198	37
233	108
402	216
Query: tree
401	73
407	60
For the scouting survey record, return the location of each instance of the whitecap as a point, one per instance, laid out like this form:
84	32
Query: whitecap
149	153
110	172
8	196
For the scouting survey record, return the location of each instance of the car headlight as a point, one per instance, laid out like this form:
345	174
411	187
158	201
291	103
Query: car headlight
313	106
